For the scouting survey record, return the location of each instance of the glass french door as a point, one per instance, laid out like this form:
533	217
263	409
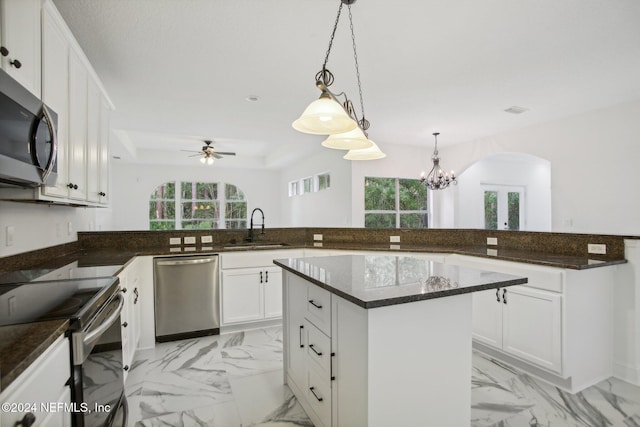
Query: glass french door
503	207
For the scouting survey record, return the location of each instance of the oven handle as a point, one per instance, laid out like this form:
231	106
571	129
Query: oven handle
91	336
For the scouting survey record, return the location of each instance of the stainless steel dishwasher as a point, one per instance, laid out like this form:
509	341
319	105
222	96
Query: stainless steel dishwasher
187	295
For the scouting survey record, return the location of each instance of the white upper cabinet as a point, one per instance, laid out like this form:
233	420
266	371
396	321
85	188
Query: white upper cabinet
104	159
20	41
55	89
93	141
77	155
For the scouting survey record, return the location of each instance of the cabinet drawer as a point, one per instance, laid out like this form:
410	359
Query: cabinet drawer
42	382
318	395
318	348
319	308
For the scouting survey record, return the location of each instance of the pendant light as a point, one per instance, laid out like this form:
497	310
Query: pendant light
371	153
330	116
437	179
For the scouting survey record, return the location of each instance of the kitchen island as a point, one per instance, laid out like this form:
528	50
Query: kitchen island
379	340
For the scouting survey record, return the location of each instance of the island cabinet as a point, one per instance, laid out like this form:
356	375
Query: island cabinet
547	326
380	340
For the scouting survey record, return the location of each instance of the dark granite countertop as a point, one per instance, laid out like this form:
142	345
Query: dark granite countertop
20	345
372	281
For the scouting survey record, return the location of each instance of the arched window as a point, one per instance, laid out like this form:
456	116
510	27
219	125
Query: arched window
183	205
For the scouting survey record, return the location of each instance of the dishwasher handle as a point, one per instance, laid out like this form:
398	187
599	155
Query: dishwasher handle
186	261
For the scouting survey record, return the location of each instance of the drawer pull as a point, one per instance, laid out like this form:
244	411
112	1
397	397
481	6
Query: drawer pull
266	277
261	277
314	350
314	393
319	307
498	294
504	296
333	377
301	328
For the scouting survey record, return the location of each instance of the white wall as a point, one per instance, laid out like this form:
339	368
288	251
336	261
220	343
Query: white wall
39	226
326	208
133	184
594	167
529	172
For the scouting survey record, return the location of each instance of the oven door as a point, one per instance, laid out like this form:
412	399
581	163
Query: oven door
98	370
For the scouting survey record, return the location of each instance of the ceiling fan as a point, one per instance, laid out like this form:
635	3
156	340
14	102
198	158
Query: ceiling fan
208	153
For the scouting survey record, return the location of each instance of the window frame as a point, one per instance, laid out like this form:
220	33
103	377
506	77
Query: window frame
397	211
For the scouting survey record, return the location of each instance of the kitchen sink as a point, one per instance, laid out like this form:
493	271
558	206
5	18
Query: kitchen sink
245	246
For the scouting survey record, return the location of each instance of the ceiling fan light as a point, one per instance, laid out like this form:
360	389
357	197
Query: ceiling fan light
203	160
210	160
352	140
371	153
324	116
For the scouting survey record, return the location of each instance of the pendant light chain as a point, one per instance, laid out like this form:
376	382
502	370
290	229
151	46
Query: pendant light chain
326	75
364	123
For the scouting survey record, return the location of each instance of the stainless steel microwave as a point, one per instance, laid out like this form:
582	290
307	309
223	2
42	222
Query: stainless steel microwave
28	143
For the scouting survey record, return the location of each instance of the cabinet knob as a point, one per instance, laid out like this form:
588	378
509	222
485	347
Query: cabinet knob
4	51
102	193
28	420
126	367
72	186
125	324
16	63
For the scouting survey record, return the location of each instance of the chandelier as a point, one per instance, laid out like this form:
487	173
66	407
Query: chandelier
334	114
437	179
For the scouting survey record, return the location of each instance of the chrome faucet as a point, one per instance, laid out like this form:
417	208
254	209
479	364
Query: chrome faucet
250	236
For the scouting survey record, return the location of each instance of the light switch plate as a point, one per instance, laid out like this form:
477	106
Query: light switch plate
191	240
206	239
394	239
9	235
317	237
492	241
594	248
175	240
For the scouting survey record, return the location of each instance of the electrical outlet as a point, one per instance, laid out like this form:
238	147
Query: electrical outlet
175	240
191	240
69	228
492	241
317	237
600	249
9	235
394	239
206	239
394	247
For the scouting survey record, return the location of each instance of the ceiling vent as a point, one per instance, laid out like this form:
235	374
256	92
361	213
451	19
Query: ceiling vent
516	110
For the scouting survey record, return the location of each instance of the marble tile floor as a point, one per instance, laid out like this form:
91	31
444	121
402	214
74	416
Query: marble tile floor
235	380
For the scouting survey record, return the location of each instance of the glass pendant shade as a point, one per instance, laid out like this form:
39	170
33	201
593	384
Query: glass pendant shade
203	160
352	140
324	116
371	153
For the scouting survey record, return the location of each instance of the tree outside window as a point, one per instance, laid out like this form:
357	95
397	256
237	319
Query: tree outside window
201	206
395	203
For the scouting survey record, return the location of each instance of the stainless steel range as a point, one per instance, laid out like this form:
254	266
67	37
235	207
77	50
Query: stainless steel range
93	307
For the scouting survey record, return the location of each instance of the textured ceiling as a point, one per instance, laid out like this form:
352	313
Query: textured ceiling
181	70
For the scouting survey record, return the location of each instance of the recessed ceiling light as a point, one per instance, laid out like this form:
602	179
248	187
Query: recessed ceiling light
252	98
516	110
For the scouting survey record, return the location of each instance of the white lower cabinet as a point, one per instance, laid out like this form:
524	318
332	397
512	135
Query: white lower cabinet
251	286
42	384
549	325
131	313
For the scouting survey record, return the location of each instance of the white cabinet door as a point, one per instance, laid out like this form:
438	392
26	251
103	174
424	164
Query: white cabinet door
272	284
487	317
77	127
94	100
20	35
55	90
296	352
104	160
242	298
533	326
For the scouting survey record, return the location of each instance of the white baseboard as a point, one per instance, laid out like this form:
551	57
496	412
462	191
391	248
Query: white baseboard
626	373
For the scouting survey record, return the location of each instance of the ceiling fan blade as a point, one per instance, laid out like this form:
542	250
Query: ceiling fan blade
216	155
225	153
196	155
191	151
